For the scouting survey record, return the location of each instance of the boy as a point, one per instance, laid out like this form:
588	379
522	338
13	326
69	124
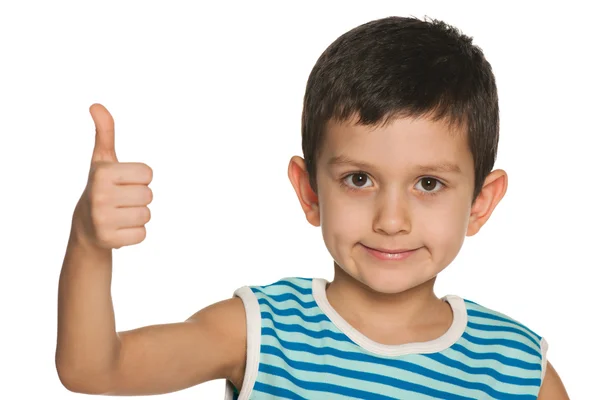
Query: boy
399	134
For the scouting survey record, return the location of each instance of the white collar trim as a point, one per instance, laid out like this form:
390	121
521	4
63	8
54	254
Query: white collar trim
451	336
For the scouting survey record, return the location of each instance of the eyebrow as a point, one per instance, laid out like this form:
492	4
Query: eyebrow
422	168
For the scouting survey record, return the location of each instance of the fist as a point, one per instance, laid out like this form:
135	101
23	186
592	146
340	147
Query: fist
113	209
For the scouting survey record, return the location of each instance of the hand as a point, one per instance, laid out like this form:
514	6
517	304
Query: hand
113	209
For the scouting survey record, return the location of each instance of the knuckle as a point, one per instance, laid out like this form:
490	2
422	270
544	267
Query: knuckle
99	218
139	235
101	173
104	237
149	195
98	197
120	172
147	171
146	215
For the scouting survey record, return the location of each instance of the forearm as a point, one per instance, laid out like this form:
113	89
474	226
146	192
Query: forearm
87	344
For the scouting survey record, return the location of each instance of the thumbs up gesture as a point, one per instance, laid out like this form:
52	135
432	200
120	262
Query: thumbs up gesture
113	209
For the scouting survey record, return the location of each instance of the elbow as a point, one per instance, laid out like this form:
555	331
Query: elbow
69	383
77	380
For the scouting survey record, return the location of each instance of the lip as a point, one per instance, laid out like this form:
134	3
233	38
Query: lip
389	254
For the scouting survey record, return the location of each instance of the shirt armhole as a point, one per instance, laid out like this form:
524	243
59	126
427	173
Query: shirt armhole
544	346
253	334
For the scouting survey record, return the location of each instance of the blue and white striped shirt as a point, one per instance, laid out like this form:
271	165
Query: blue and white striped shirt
300	348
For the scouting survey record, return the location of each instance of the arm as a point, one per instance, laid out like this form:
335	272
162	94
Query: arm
166	358
210	345
91	357
552	387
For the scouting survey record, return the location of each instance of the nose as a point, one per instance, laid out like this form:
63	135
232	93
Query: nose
392	215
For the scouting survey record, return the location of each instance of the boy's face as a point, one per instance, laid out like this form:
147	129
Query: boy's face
405	187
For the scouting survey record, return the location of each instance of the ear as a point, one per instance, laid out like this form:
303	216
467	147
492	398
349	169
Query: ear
308	198
493	191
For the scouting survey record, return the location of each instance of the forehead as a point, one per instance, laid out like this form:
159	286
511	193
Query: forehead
398	144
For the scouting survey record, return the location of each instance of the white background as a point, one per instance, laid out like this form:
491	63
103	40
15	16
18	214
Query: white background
210	97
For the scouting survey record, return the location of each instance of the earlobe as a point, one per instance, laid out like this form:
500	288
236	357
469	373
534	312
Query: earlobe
309	200
493	191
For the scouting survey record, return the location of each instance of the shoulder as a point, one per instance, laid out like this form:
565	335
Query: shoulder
285	293
490	319
509	335
223	325
299	290
233	326
248	305
552	387
286	285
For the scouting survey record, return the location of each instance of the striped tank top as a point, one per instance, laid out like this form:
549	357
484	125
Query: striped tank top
299	347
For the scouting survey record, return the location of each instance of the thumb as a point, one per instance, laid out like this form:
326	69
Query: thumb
104	147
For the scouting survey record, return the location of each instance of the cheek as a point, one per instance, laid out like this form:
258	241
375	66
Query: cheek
343	219
444	228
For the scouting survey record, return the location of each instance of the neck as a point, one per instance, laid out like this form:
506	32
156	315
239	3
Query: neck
357	302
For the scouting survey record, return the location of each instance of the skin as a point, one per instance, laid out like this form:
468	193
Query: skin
405	185
92	357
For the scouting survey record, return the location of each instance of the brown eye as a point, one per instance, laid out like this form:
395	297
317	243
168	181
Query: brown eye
357	180
430	184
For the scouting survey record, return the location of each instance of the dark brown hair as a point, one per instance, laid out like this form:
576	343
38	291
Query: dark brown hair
404	67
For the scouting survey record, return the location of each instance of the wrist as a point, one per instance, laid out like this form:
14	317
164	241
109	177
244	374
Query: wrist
80	240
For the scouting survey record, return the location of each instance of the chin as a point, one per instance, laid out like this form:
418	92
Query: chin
392	277
391	283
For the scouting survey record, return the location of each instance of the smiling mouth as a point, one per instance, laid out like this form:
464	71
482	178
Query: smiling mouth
389	254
